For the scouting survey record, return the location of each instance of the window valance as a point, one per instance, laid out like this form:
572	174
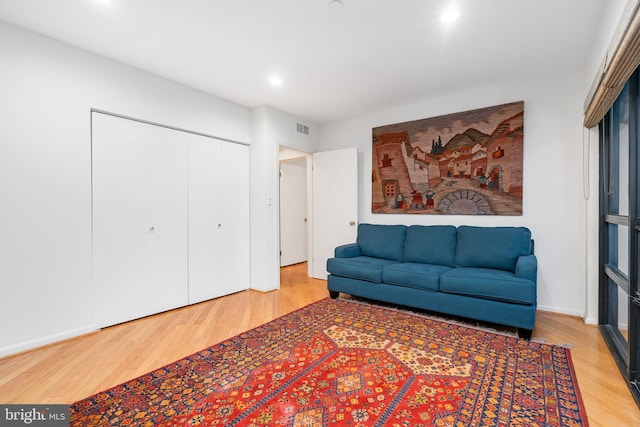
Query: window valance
621	61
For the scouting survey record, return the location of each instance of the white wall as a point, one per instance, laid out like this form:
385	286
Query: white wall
47	90
270	129
553	204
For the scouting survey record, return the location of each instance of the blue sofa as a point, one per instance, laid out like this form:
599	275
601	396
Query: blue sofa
482	273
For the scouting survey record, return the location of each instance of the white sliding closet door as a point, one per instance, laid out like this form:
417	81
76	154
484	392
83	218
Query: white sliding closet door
205	218
139	219
235	269
218	218
166	203
119	219
171	218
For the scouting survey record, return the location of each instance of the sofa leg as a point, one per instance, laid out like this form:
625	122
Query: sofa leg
334	294
525	333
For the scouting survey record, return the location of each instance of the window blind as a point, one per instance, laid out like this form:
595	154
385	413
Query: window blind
621	61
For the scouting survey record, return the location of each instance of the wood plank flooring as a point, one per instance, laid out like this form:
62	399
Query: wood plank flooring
74	369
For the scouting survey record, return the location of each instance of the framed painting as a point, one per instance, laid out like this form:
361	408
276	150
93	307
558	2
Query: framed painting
467	163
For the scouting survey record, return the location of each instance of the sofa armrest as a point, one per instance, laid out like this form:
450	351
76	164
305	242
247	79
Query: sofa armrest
527	268
350	250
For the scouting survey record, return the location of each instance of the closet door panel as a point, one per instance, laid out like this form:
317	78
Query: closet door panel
166	228
235	271
171	218
205	222
119	223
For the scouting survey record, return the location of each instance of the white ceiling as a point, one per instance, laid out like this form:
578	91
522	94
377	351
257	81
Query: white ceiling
334	64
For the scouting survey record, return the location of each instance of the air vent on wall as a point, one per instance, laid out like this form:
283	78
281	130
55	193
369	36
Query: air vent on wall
303	129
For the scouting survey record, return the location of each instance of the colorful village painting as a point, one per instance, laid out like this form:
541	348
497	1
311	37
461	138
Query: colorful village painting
467	163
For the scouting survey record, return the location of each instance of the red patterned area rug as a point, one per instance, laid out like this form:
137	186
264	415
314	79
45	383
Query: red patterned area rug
344	363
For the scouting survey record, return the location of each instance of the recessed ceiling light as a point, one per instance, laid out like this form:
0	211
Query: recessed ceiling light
336	4
450	15
275	81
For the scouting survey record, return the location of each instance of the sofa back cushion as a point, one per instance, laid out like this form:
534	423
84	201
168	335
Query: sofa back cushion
492	247
431	244
382	241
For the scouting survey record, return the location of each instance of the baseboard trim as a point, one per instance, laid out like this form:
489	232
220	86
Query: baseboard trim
591	320
26	346
556	310
255	287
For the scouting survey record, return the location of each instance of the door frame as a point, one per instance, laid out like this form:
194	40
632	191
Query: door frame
309	164
310	198
626	352
291	154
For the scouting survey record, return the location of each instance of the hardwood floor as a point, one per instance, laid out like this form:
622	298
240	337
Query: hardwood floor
74	369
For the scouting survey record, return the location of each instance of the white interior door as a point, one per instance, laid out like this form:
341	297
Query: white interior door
293	212
119	220
218	218
205	218
335	204
235	271
166	203
139	184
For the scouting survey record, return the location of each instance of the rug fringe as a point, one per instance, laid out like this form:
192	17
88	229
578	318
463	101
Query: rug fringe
509	332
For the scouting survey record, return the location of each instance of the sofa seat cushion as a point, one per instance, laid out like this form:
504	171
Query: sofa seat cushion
361	268
412	275
486	283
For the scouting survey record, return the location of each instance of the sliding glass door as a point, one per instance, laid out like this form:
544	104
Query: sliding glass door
619	306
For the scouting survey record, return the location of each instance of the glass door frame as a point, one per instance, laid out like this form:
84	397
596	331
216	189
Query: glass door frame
625	350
